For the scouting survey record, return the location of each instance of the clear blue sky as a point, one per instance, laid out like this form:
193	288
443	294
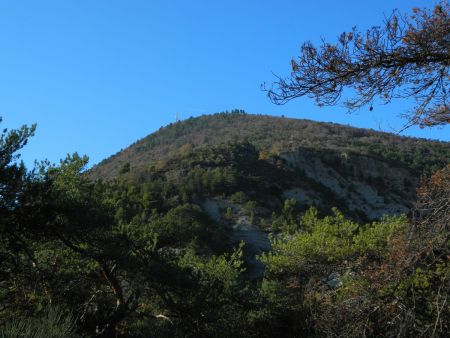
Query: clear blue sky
97	75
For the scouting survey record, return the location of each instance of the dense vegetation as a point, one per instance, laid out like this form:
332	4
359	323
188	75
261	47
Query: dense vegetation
139	256
274	135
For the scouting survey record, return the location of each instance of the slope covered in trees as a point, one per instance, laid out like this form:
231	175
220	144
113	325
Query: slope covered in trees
156	251
274	135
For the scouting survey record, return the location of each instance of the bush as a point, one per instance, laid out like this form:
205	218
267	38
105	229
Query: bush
54	324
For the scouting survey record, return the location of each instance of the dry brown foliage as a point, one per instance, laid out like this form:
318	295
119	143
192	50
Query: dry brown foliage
387	299
407	57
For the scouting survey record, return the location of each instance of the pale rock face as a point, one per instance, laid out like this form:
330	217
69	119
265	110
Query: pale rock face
366	184
256	241
370	185
302	196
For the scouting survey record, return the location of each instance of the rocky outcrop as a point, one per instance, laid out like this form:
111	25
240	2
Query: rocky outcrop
256	240
367	184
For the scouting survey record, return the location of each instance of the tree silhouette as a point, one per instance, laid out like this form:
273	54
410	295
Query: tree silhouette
407	57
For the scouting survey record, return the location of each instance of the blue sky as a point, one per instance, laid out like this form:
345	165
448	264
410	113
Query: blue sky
98	75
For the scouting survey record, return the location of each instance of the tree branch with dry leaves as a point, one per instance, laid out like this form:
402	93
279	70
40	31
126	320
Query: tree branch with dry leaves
408	57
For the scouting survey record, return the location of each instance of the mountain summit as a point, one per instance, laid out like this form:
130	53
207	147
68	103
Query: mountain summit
364	173
274	135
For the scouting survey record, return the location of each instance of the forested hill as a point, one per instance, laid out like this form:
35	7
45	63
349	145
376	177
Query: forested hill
229	225
274	135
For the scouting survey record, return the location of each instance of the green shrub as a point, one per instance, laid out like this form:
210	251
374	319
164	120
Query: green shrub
54	324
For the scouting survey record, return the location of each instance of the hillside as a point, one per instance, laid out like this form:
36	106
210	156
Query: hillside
252	165
237	234
246	171
274	135
270	159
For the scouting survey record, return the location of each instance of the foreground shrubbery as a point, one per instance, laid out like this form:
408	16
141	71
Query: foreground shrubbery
54	323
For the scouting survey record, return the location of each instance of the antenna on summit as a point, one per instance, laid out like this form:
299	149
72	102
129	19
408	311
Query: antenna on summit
177	117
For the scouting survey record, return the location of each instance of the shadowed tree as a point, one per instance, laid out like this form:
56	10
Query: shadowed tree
407	57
